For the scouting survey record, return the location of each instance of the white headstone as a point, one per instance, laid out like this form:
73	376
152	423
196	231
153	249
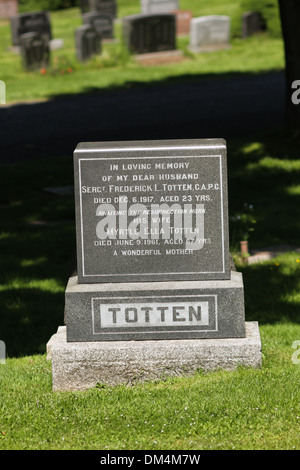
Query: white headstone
159	6
209	33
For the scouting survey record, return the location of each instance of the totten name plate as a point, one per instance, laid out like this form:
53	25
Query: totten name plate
151	211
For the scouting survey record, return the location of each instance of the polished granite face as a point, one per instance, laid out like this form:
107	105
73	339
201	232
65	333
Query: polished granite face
87	41
107	7
151	211
35	51
155	310
149	33
102	23
35	22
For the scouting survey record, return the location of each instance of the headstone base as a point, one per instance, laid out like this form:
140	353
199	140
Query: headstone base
160	58
209	48
155	310
79	366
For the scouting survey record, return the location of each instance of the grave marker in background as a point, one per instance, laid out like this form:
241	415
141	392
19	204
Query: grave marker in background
159	6
35	51
107	7
102	23
150	33
252	23
209	33
183	22
34	22
8	8
88	42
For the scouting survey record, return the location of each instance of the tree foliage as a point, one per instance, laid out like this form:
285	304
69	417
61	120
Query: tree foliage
51	5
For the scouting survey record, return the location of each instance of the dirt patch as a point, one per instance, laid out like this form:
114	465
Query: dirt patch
160	58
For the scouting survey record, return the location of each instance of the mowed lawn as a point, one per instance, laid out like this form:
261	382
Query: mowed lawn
115	67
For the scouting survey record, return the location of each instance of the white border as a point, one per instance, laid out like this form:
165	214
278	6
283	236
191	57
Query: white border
133	149
161	148
157	330
158	157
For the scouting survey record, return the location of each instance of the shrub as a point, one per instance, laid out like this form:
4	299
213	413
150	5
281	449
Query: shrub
270	12
51	5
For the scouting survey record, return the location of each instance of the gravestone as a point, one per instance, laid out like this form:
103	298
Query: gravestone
209	33
35	51
159	6
102	23
183	22
252	23
154	294
150	33
106	7
8	8
191	189
34	22
88	43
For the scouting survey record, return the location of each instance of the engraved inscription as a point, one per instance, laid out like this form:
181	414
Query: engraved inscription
111	313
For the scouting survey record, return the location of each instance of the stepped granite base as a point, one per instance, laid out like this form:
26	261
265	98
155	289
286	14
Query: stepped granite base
82	365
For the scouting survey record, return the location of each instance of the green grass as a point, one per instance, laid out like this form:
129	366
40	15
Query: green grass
244	409
116	68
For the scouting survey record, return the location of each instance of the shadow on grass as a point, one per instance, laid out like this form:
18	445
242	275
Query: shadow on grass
37	242
264	172
190	106
33	279
29	316
271	294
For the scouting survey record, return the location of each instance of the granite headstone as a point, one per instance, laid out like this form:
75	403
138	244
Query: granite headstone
183	22
209	33
34	22
150	33
102	23
88	42
35	51
106	7
152	243
164	219
159	6
8	8
252	23
154	277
